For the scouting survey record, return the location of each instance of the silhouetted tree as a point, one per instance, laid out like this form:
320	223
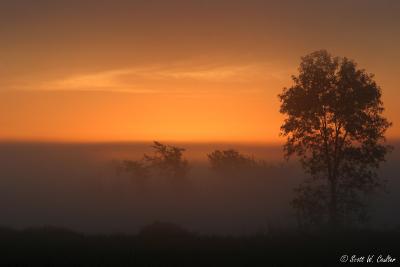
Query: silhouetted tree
335	126
168	160
230	161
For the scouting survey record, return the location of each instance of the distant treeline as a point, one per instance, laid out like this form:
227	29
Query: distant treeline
169	161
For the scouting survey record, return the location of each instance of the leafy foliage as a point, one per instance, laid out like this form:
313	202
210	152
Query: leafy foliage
166	160
334	124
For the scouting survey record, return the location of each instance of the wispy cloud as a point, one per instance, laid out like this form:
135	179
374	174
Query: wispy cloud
155	78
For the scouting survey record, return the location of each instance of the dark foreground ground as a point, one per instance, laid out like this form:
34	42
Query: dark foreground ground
168	245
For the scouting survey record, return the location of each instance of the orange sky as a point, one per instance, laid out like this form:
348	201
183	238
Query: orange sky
176	70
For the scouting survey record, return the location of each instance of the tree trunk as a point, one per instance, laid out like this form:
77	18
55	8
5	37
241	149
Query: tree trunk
333	213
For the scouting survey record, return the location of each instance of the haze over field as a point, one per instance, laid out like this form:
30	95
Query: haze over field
76	186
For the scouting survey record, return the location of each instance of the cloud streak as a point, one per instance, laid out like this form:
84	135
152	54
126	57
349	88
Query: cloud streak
156	78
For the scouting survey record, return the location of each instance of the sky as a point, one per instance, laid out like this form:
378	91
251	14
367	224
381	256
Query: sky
188	70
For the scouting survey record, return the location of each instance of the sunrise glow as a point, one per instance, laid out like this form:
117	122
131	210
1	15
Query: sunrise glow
172	77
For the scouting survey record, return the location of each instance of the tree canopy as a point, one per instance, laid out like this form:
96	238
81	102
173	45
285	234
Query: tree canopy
334	124
166	160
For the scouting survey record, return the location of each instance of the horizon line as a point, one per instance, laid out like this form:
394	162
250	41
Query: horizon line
138	141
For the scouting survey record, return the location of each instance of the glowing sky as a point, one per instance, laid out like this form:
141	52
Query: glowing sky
177	70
